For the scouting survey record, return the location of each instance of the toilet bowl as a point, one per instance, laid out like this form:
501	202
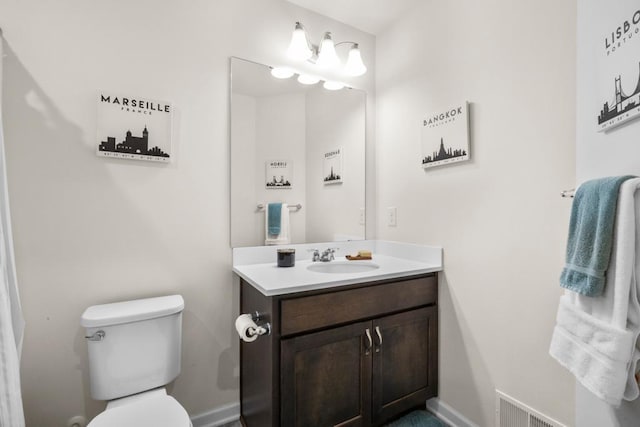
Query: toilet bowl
149	409
134	351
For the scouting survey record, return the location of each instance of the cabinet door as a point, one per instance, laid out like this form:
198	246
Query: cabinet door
405	362
326	378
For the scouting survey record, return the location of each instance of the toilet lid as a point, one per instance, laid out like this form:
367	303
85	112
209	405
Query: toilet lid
160	411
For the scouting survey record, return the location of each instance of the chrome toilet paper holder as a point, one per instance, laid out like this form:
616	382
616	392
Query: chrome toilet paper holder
264	329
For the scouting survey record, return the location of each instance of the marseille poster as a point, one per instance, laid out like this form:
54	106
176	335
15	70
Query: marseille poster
445	136
134	128
616	46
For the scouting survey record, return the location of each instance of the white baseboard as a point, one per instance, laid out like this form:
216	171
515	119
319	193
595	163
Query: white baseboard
217	416
229	413
447	414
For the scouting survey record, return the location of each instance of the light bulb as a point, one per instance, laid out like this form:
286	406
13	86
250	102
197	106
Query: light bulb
355	66
299	49
306	79
282	73
333	85
327	56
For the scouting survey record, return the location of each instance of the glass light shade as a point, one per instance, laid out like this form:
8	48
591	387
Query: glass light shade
333	85
327	56
355	66
299	48
306	79
282	73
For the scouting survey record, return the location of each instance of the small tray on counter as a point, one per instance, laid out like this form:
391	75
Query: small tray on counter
358	258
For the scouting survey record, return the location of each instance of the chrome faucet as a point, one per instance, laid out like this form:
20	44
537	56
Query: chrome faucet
316	255
326	256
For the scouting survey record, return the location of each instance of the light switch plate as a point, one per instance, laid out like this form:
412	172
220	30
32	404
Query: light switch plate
392	217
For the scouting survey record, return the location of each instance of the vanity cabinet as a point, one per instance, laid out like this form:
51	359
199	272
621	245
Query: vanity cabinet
355	355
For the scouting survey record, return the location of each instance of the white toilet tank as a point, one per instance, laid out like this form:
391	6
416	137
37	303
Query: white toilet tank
134	346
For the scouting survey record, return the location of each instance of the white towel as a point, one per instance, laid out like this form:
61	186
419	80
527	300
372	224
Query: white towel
596	338
282	238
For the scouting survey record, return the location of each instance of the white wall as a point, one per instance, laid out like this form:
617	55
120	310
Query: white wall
90	230
499	217
249	226
335	120
604	154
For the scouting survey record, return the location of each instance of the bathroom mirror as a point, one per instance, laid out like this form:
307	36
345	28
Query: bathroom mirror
298	144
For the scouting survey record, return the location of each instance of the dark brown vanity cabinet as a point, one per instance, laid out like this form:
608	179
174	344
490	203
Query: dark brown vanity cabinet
352	356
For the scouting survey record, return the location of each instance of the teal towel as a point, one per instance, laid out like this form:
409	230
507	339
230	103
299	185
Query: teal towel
274	212
417	419
591	231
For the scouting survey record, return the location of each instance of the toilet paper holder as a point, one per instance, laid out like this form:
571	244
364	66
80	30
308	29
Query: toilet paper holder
264	329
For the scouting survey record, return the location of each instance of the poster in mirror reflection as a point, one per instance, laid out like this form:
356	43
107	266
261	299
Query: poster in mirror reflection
333	166
278	174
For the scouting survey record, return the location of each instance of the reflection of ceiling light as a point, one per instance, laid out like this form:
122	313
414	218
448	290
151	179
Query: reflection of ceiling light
282	73
299	48
355	66
327	56
306	79
333	85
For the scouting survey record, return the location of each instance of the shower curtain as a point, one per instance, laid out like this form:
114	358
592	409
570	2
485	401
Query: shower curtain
11	321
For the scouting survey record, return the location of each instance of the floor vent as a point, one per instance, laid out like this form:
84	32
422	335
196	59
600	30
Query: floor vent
512	413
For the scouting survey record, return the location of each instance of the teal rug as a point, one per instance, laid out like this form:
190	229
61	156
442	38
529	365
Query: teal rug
417	419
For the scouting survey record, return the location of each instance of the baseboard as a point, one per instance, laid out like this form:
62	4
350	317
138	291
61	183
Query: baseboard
231	412
447	414
218	416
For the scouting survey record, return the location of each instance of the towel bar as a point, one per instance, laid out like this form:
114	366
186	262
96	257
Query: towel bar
568	193
296	207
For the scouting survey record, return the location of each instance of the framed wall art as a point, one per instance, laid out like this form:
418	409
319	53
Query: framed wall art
445	136
134	128
617	53
332	167
279	174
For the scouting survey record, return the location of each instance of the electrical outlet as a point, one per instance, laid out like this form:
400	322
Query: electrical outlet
392	217
362	216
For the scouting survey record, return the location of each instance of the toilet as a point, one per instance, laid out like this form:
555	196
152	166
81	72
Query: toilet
134	351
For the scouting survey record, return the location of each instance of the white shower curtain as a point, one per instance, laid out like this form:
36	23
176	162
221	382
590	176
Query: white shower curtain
11	320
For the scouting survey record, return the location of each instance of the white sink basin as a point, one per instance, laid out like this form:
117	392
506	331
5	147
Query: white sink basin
342	267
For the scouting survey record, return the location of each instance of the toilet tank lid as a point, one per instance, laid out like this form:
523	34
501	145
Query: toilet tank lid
131	311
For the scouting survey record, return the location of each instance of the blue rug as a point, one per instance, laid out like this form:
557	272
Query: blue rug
417	419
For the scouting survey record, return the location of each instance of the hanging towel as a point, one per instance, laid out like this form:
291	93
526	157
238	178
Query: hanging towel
595	338
591	235
274	218
282	238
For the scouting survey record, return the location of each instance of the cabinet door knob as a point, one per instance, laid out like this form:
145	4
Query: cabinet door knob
379	339
370	343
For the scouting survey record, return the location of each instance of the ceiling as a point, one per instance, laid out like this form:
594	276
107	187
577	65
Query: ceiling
371	16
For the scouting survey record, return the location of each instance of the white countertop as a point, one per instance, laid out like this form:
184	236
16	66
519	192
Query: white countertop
394	260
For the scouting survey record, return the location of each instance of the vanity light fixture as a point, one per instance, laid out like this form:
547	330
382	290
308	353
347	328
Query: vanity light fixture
300	49
324	56
355	66
327	56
